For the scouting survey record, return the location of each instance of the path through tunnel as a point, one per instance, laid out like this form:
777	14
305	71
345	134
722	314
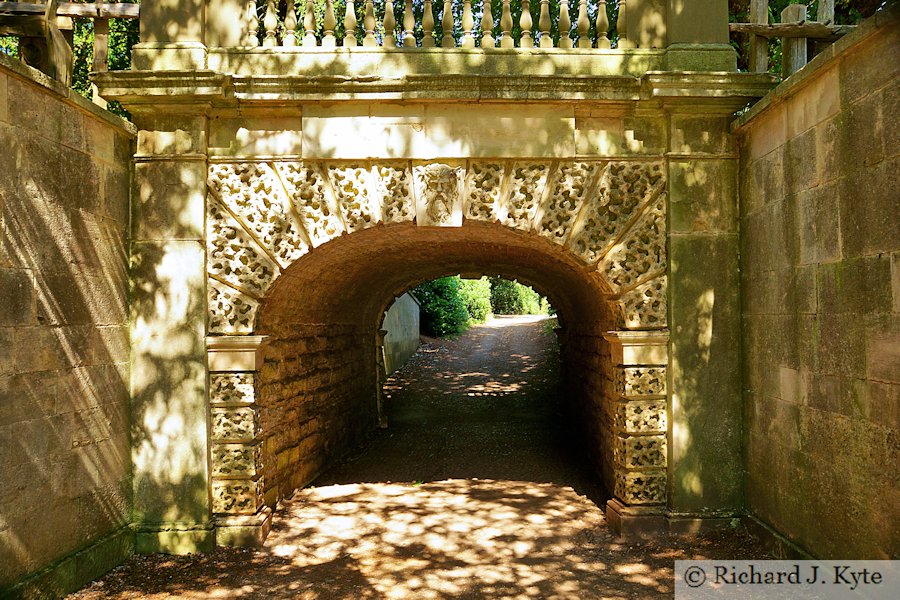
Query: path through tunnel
487	405
320	390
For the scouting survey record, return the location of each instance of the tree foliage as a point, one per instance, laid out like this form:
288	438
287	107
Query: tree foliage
476	295
513	298
442	309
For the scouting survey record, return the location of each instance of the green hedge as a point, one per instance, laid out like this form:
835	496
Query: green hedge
442	310
476	295
513	298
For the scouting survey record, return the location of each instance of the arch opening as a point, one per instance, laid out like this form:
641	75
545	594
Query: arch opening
320	385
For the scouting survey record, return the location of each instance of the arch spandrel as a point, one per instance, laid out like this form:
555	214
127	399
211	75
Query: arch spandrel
608	216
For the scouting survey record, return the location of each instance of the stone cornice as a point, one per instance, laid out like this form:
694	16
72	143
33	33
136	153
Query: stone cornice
181	89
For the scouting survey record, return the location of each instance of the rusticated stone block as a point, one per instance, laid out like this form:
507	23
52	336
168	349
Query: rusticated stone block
637	452
234	424
236	460
640	381
237	497
226	388
641	416
641	487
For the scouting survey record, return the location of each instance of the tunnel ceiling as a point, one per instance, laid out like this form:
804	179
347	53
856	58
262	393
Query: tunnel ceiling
354	278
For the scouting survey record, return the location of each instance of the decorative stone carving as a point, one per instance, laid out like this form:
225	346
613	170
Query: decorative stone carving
393	185
641	416
638	452
571	184
645	306
640	381
236	497
235	460
230	311
622	188
231	388
252	192
234	424
233	255
307	189
526	185
484	182
641	252
351	189
641	487
439	195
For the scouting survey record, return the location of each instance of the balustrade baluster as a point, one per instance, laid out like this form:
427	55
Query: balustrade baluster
447	25
428	25
290	25
252	25
350	25
409	25
468	24
602	26
390	25
369	24
584	25
487	26
309	25
622	27
506	24
544	25
328	39
526	23
565	25
271	23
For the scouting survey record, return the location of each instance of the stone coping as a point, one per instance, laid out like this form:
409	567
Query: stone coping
19	69
887	17
177	88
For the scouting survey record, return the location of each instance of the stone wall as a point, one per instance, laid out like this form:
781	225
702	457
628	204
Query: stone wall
820	261
401	321
64	405
587	370
317	398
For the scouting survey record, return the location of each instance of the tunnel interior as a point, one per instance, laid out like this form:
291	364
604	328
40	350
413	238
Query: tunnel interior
320	385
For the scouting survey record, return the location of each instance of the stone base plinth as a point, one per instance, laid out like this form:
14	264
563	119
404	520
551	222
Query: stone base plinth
244	531
642	522
174	538
636	522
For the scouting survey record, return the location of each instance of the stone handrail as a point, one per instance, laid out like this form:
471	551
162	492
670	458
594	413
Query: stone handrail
285	24
45	34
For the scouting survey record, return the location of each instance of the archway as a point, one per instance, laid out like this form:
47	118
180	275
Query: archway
305	257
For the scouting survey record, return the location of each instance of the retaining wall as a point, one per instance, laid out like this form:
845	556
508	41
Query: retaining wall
820	261
65	502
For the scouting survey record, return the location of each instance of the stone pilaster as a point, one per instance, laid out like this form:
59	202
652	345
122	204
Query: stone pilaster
241	517
168	331
639	360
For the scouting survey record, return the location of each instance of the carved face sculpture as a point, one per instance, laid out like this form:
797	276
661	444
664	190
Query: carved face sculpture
441	190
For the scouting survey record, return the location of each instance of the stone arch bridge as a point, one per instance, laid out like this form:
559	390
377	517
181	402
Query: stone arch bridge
285	194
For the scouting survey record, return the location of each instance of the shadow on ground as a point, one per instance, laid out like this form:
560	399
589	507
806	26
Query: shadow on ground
474	491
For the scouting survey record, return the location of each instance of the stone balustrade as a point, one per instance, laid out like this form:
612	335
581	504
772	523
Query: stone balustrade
408	24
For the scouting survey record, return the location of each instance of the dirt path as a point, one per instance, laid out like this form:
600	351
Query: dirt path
472	492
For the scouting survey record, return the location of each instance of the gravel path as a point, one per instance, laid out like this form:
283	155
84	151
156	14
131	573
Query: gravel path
473	491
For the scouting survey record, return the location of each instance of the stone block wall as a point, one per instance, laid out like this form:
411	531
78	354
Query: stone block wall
820	262
316	394
401	322
588	381
64	351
